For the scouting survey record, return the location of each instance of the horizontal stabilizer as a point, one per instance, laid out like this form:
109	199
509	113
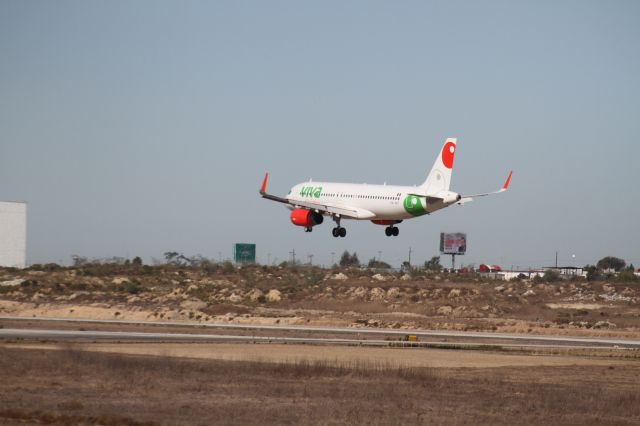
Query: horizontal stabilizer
505	186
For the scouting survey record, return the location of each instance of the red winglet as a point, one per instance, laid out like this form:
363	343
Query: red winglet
263	188
506	182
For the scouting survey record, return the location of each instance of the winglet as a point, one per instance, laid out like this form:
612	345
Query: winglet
506	182
263	188
468	198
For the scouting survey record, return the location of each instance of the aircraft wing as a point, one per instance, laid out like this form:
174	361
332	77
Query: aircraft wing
469	198
343	211
330	209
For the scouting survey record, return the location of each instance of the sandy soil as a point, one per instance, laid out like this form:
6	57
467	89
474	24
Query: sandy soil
274	353
312	296
74	386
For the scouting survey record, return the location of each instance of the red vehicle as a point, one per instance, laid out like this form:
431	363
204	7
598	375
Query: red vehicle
489	268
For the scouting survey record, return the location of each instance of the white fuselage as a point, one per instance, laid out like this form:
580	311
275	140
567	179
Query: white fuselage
375	202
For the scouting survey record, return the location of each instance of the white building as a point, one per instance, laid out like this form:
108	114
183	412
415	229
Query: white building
13	234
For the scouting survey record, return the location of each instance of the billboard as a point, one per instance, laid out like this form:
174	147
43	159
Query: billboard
244	253
13	234
453	243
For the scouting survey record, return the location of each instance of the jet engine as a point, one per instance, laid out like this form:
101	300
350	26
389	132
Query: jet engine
306	218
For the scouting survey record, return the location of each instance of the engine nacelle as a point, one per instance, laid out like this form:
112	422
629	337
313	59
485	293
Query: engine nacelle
306	218
385	222
449	197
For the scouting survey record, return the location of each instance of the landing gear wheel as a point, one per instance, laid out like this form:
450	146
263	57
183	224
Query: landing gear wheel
338	231
395	231
308	229
388	231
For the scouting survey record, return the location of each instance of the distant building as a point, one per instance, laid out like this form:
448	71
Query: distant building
13	234
527	274
565	272
568	271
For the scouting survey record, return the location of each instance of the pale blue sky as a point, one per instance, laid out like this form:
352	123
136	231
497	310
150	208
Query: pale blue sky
134	128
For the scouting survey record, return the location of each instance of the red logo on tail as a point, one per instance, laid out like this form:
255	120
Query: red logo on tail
448	153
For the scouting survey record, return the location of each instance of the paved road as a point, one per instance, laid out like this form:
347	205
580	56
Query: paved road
551	341
134	336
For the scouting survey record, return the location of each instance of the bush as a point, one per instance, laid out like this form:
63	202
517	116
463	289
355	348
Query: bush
550	276
227	267
626	276
133	288
593	274
314	277
378	264
78	286
47	267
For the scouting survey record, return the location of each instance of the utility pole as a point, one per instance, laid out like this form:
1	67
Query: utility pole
556	260
293	256
310	256
409	256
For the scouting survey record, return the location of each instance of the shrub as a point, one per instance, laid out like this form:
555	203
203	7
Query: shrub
550	276
626	276
78	286
133	288
378	264
314	277
227	267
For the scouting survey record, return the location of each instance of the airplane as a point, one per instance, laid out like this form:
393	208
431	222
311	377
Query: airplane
386	205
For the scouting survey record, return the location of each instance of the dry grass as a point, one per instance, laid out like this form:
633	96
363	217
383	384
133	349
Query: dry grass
76	387
116	290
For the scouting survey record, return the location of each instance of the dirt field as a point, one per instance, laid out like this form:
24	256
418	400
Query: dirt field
74	386
339	355
150	383
314	296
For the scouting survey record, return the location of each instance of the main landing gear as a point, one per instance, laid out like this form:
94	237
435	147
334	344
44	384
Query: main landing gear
338	231
391	230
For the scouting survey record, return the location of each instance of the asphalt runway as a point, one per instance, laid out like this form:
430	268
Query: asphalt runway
122	336
357	336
